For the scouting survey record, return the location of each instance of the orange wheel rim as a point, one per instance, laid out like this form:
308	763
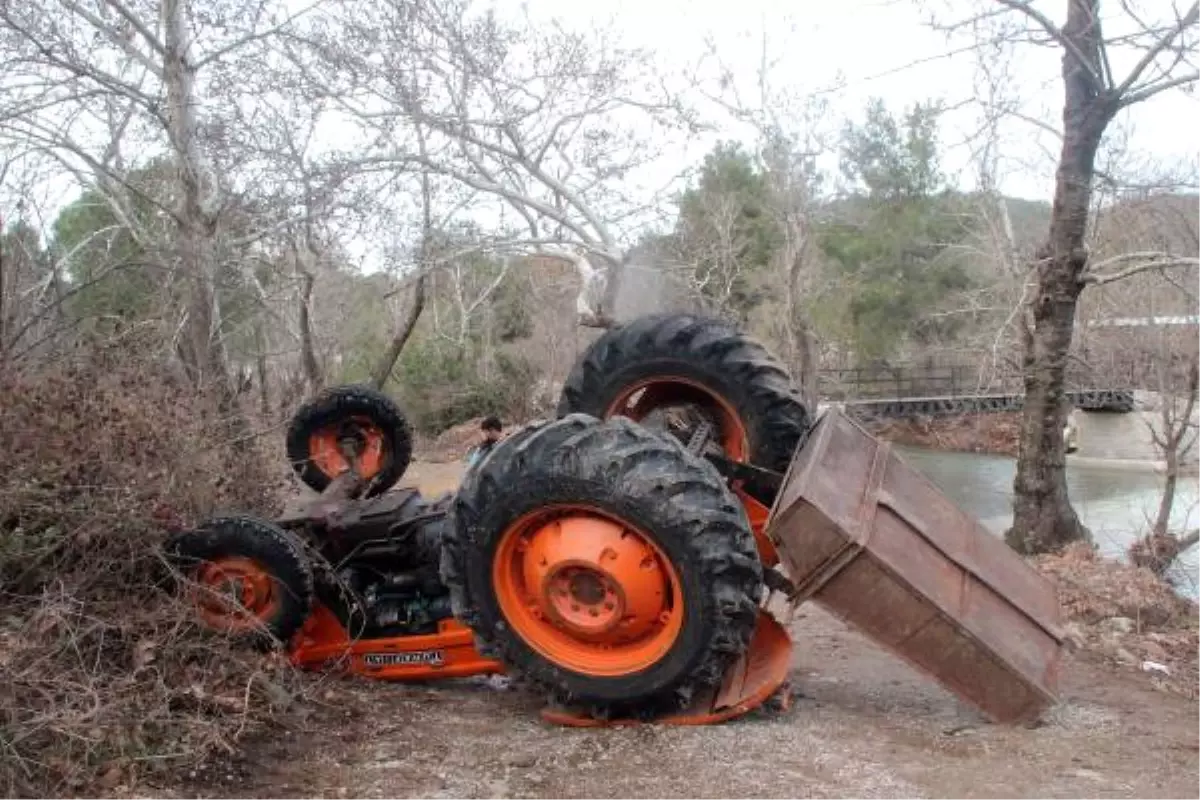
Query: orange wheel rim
235	594
588	592
325	448
643	397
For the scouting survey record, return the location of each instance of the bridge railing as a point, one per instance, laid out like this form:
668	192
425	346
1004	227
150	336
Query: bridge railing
955	389
905	382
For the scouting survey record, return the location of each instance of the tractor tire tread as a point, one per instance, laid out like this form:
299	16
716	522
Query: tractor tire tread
342	402
274	548
723	359
654	483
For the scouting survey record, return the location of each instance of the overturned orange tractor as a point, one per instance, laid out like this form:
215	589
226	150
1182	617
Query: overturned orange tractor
621	556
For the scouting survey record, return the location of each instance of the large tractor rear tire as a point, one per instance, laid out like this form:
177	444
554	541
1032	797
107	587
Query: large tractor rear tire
247	578
367	418
605	564
682	360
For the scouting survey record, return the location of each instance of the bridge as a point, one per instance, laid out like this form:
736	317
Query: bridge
906	391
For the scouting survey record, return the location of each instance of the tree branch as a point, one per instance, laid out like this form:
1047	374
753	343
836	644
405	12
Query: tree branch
1151	261
208	58
1026	8
115	37
138	25
1157	88
1185	22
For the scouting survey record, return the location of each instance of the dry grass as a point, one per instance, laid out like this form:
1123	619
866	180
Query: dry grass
1127	615
106	677
964	433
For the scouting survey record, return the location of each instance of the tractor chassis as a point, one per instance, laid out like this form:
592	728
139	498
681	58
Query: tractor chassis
757	678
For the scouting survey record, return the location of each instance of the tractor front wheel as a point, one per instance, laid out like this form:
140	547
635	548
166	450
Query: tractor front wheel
350	427
605	564
245	577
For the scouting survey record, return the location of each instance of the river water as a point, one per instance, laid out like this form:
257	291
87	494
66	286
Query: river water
1116	504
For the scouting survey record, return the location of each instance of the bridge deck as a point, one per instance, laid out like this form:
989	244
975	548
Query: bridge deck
1110	400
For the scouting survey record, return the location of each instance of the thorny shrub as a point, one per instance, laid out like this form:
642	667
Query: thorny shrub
106	677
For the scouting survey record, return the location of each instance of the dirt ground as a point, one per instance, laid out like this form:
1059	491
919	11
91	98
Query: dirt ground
863	724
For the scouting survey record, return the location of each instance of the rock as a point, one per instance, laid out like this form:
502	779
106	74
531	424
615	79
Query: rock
1117	625
110	778
520	760
1151	666
1074	636
1153	651
1126	657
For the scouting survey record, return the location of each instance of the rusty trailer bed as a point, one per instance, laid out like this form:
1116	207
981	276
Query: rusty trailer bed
872	540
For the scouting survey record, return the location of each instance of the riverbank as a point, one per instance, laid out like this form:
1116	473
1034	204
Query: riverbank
1127	617
996	434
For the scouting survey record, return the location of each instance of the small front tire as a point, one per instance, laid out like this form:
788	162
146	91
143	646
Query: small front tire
245	577
369	419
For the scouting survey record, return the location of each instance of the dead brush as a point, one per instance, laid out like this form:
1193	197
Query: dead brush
107	678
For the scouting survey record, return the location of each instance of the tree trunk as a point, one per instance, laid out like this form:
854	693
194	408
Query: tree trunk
260	362
203	353
3	298
404	328
1043	519
308	351
406	324
801	338
614	272
1173	437
1162	520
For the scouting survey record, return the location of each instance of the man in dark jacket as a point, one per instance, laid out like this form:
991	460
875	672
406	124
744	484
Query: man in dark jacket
491	429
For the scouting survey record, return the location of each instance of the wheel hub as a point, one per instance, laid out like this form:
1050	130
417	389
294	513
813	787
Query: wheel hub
354	444
585	600
589	591
687	409
229	588
589	587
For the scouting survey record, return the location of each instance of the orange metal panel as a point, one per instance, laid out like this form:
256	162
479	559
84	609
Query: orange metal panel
449	653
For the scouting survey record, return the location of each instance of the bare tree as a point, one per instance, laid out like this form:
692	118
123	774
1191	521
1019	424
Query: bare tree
31	290
1174	434
89	84
1093	97
406	323
795	183
789	129
1141	331
534	120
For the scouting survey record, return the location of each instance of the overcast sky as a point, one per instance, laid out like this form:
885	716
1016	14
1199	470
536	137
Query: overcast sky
884	48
